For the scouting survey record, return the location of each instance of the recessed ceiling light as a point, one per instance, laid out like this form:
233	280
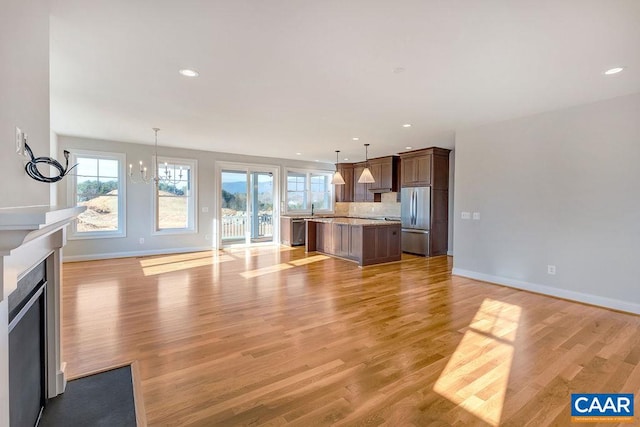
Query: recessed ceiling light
189	73
298	154
408	148
614	70
316	160
406	125
355	138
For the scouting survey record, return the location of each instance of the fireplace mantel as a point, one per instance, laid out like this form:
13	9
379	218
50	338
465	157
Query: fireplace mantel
29	236
20	225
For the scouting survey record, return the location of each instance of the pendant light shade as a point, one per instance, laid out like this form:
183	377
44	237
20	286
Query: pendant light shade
337	177
366	177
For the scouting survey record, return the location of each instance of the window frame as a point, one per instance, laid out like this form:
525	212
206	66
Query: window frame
72	195
192	199
308	173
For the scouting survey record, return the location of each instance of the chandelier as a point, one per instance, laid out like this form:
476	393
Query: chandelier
166	177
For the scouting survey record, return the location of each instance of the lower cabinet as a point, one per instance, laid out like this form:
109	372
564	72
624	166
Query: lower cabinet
366	244
341	240
381	244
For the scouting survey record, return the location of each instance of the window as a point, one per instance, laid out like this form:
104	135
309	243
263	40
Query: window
306	188
175	203
296	191
97	182
321	194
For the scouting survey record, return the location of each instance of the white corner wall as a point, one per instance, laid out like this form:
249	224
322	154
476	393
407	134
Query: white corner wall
560	188
24	99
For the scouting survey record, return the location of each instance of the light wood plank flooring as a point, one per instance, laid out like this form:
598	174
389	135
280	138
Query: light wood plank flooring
274	336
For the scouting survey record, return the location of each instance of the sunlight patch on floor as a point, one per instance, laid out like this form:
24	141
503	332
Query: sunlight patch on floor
265	270
477	375
154	266
308	260
282	266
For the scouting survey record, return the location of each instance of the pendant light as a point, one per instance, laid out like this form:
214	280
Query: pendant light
337	177
366	177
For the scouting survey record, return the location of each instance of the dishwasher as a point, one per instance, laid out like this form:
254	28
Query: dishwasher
297	232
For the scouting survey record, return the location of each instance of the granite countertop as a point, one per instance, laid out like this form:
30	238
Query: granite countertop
352	221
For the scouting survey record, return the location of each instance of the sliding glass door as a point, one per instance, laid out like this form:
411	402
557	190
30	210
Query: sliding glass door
247	200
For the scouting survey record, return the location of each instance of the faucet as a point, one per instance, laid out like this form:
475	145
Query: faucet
312	206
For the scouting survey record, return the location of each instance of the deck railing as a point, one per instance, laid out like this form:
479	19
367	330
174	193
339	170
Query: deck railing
236	226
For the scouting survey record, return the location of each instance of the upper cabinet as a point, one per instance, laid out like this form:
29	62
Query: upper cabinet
385	173
344	193
426	167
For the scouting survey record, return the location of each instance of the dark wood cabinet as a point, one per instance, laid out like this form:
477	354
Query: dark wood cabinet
384	171
385	174
341	240
383	244
429	167
366	244
425	167
344	193
416	170
324	237
361	192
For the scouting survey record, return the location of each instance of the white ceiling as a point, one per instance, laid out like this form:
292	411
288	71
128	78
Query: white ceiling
286	76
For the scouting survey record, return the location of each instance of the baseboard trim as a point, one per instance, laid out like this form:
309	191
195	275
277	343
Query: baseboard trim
551	291
129	254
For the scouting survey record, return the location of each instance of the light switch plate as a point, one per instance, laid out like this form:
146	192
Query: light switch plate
465	215
19	142
476	216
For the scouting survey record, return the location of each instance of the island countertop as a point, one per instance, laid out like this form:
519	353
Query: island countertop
352	221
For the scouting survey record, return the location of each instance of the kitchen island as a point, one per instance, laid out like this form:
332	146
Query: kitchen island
365	241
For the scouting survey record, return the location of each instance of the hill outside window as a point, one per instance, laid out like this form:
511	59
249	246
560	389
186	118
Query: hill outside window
175	196
98	182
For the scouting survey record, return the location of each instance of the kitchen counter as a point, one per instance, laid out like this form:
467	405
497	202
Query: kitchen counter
352	221
365	241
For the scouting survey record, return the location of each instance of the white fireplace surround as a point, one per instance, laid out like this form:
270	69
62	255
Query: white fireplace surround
29	236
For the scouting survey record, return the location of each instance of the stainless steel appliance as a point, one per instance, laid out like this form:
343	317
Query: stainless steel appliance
297	232
415	208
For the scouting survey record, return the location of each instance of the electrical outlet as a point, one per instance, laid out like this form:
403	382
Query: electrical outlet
551	269
465	215
19	142
141	240
207	237
476	216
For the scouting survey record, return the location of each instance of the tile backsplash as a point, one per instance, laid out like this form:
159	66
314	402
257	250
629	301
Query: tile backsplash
389	206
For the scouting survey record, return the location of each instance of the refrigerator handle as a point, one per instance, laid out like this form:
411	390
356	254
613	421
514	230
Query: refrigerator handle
411	208
415	207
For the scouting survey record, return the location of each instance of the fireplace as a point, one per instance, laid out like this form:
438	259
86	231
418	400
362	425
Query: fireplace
27	344
31	367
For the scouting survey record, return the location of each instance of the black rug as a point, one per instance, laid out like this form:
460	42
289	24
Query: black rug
104	399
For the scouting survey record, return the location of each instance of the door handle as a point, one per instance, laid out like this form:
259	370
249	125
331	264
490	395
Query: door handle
415	208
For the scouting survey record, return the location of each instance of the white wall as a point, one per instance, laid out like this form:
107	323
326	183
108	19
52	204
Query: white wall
140	199
560	188
24	99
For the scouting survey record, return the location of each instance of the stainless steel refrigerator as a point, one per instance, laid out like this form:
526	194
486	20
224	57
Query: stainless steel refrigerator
415	208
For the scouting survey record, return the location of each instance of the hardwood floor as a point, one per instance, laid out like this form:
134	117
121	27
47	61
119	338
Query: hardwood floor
273	336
